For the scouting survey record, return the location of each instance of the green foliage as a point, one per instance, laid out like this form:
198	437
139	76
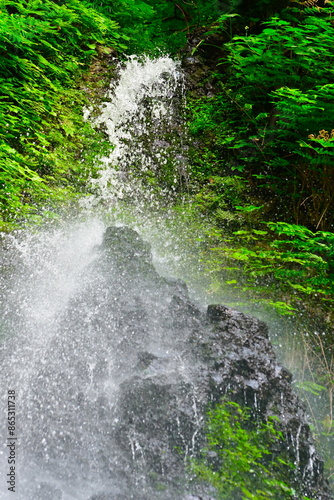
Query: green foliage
262	9
137	19
269	122
311	387
44	46
218	198
297	264
311	159
270	119
153	25
237	460
285	53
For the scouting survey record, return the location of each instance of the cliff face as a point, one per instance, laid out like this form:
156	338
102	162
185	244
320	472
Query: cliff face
132	371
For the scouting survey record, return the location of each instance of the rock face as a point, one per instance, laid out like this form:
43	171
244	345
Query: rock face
133	370
243	366
222	352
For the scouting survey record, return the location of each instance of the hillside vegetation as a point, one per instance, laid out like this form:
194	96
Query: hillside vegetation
260	116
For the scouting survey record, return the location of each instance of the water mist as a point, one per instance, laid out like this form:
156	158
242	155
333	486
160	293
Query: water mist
93	338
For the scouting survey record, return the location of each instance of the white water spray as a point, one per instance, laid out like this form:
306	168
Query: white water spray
64	368
142	119
63	355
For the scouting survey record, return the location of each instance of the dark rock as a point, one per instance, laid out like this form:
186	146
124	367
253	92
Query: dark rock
125	244
134	368
233	322
244	368
163	412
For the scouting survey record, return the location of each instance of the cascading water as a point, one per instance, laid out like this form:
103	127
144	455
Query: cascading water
143	120
102	352
68	341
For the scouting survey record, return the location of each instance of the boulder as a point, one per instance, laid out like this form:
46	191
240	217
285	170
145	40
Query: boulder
128	378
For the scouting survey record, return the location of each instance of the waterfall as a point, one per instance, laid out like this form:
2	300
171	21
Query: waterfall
105	357
66	378
143	118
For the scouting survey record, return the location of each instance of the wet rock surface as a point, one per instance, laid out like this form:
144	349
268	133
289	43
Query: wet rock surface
227	353
133	368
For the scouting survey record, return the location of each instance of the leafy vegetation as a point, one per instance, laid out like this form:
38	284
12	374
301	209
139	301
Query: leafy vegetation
271	115
262	164
154	25
44	47
236	460
267	138
266	173
47	150
297	263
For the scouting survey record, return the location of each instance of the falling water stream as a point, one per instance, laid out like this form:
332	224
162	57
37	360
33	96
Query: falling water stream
65	370
68	342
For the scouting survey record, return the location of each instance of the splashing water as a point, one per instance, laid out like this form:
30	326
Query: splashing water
143	120
68	342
